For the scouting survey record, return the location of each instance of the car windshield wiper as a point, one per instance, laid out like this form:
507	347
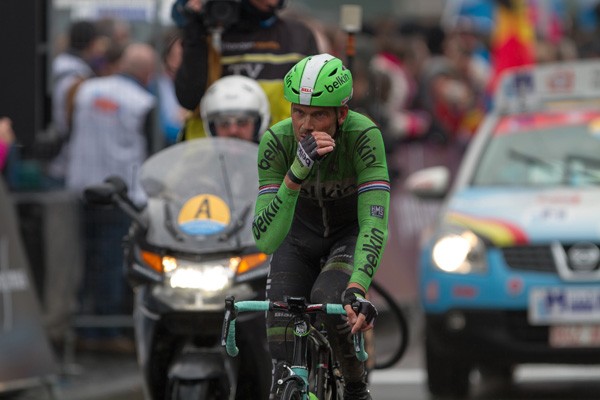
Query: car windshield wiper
529	159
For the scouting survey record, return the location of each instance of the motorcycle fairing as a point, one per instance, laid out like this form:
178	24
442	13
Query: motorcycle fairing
201	194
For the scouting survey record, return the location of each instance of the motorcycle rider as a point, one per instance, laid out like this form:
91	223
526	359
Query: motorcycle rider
322	209
235	106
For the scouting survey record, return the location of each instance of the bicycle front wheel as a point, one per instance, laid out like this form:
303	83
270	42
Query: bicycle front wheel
293	390
190	390
333	383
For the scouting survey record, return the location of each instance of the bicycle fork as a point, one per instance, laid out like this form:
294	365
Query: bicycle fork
298	371
327	369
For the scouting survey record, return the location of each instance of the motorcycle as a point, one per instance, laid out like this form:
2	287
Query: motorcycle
189	248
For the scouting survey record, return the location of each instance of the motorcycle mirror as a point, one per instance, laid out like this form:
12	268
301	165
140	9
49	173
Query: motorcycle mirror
114	192
119	185
101	194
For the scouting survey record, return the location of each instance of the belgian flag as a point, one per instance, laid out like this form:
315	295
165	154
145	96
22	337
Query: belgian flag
512	41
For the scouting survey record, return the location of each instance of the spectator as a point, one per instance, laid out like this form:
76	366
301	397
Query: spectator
7	137
330	38
401	120
115	34
111	59
171	114
118	30
261	45
452	89
111	129
69	69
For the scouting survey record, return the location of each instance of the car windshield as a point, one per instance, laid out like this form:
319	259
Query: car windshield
542	149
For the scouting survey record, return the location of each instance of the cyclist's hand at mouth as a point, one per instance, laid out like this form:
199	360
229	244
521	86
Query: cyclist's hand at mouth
324	142
313	145
316	143
361	312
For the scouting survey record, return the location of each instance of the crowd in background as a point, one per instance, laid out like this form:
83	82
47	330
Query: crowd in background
421	81
417	79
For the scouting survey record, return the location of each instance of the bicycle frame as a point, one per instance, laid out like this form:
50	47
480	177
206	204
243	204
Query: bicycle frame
303	332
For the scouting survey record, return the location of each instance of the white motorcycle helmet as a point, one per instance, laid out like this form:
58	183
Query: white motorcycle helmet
235	94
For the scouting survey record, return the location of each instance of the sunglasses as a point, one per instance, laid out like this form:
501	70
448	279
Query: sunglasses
227	121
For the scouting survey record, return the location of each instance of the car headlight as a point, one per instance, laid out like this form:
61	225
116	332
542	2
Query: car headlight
460	252
208	276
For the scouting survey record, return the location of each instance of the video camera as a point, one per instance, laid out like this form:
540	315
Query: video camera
215	14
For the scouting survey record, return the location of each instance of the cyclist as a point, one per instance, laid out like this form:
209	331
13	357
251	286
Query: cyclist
322	209
235	106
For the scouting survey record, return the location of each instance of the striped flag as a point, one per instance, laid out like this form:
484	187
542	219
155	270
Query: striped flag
513	38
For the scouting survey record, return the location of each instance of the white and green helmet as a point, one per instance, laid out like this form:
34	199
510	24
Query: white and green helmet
319	80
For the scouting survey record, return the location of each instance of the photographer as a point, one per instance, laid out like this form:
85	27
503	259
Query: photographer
237	37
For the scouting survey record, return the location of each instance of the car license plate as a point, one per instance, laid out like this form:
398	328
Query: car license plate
556	306
574	336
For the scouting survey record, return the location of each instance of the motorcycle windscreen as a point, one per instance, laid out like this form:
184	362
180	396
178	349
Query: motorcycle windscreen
201	195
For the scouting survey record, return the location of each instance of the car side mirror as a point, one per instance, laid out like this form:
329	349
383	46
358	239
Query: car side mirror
429	183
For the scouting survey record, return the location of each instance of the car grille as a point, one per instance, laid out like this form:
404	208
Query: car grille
570	260
530	258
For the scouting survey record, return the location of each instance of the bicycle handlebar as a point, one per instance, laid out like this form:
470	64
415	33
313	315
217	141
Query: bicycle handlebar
232	308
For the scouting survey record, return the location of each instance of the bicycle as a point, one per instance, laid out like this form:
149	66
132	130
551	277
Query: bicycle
314	374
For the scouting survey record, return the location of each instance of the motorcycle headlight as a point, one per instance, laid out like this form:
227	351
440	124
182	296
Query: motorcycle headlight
208	276
194	285
459	251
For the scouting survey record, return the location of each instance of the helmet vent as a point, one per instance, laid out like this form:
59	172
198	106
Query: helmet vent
319	80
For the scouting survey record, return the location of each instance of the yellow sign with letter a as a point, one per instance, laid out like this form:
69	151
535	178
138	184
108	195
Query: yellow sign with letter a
204	214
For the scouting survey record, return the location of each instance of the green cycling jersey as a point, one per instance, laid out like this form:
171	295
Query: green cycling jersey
348	188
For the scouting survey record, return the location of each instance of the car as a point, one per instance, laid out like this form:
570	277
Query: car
509	273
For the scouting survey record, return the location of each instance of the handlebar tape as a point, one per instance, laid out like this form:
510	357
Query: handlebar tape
359	347
230	346
335	309
359	343
250	305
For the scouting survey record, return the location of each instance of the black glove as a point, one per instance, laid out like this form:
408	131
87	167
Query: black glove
306	155
356	299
